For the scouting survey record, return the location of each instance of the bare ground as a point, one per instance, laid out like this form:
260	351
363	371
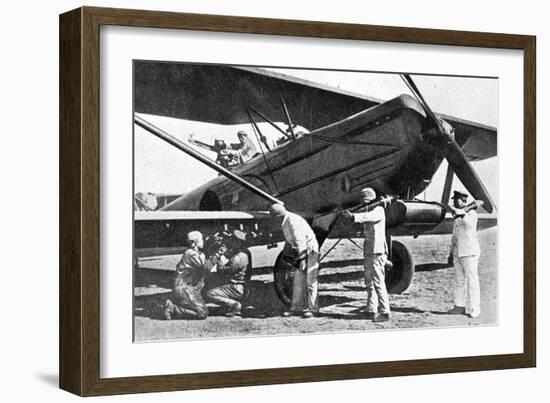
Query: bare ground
341	295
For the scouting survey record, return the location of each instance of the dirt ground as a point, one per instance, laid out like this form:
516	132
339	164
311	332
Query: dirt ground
341	295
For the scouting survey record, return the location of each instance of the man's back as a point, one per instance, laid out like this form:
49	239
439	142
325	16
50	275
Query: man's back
237	267
298	233
192	267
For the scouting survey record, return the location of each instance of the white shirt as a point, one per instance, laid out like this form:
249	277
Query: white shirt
464	241
374	230
299	234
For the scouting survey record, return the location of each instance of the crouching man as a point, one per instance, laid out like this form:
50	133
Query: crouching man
192	269
301	244
238	264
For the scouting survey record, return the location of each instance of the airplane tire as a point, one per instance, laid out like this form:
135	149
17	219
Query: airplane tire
283	277
400	272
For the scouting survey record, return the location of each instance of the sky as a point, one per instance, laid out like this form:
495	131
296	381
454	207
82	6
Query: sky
160	168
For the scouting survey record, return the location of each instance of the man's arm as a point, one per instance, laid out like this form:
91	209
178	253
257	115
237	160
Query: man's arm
190	259
215	262
235	264
474	205
369	216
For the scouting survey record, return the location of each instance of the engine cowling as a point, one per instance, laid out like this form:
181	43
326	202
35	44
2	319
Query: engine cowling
413	216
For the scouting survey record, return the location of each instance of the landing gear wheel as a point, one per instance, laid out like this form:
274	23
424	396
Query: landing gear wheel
400	273
283	277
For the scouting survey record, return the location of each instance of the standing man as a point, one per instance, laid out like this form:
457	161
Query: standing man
465	255
375	252
301	244
191	271
238	266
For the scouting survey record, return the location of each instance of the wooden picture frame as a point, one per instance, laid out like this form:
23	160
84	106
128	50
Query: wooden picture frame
79	280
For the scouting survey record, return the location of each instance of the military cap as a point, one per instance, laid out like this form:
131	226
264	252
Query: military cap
277	210
240	235
459	195
368	193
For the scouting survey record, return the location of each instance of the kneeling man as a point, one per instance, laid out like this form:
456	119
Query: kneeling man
192	269
230	295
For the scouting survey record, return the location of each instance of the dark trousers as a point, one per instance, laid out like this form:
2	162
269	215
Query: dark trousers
228	295
188	303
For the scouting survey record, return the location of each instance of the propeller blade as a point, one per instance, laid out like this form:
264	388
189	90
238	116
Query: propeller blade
452	151
467	174
416	92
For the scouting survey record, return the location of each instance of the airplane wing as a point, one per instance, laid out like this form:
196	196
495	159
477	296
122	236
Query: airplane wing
164	232
222	94
478	141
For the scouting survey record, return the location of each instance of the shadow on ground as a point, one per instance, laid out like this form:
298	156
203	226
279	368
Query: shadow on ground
155	288
431	267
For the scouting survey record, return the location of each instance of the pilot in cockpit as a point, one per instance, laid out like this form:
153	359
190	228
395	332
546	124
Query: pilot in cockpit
248	148
227	157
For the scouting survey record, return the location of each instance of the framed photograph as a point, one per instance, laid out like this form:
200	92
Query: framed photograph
249	201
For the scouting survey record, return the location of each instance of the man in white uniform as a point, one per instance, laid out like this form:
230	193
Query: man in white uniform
465	255
302	243
375	254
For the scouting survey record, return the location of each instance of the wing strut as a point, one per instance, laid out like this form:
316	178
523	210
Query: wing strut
259	136
257	112
287	115
190	151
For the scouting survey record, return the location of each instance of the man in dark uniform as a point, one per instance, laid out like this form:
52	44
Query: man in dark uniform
187	301
231	295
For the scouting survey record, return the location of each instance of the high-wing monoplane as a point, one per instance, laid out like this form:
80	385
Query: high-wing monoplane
351	142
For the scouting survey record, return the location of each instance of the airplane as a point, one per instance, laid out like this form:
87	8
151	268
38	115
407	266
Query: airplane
351	142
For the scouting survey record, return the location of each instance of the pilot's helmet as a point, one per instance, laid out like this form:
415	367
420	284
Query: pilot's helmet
220	144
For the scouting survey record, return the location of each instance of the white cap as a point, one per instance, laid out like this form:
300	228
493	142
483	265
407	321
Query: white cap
193	237
368	193
277	210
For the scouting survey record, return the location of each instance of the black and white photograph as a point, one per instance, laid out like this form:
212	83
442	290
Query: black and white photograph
246	201
270	200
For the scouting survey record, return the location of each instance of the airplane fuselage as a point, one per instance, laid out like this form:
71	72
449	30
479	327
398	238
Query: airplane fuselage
384	147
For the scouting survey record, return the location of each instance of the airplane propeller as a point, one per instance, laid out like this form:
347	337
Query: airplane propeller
453	152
